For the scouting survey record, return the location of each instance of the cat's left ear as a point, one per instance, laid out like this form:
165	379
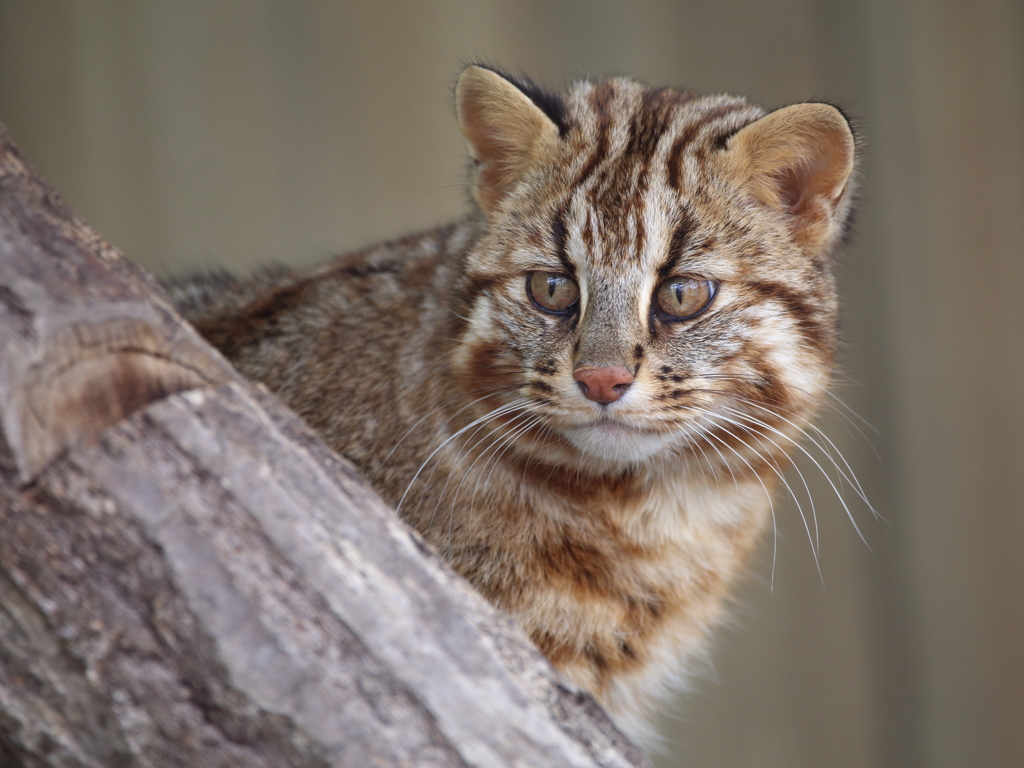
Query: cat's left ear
799	160
506	130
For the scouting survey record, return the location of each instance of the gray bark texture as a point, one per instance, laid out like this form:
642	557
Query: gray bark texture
189	577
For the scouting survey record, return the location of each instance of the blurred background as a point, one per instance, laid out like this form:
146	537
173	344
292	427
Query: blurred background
198	133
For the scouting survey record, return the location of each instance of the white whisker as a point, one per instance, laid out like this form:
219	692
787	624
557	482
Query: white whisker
467	471
815	540
771	504
796	444
499	411
442	406
464	449
504	444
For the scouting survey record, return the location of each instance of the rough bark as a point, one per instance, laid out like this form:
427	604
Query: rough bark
188	576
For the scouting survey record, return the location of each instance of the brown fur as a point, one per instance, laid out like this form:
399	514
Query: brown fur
610	531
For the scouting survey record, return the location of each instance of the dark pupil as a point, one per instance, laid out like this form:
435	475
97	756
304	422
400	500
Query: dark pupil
686	287
553	283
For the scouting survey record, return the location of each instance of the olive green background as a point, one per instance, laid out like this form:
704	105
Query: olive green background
198	133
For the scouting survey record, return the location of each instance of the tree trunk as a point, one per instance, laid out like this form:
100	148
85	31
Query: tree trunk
189	577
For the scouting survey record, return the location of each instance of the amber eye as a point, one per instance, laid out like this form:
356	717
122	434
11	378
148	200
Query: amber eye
684	297
552	291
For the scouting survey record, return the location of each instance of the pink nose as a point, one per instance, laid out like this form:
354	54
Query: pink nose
603	385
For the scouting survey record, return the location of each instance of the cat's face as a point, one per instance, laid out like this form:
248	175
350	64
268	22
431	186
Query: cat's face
637	295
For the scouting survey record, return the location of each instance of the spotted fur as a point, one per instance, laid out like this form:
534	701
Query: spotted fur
611	531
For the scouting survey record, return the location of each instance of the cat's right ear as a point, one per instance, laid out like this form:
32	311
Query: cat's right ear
506	130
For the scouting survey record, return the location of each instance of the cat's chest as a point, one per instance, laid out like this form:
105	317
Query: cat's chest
618	557
664	535
618	584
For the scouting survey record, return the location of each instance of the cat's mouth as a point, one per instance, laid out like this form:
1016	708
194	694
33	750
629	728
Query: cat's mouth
617	442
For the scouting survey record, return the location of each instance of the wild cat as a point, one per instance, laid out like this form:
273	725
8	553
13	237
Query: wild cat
583	393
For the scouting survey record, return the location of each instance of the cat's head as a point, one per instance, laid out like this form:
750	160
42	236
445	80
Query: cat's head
653	275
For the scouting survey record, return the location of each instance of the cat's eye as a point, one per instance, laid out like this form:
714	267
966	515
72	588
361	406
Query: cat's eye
552	291
681	298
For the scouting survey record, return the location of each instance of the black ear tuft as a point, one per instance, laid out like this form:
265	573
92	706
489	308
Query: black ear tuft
548	103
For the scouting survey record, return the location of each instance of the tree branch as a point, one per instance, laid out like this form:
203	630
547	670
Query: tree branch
188	576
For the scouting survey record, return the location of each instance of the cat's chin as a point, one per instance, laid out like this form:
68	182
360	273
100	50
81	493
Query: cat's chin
617	445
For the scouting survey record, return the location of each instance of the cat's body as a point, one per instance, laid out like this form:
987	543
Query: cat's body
582	394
